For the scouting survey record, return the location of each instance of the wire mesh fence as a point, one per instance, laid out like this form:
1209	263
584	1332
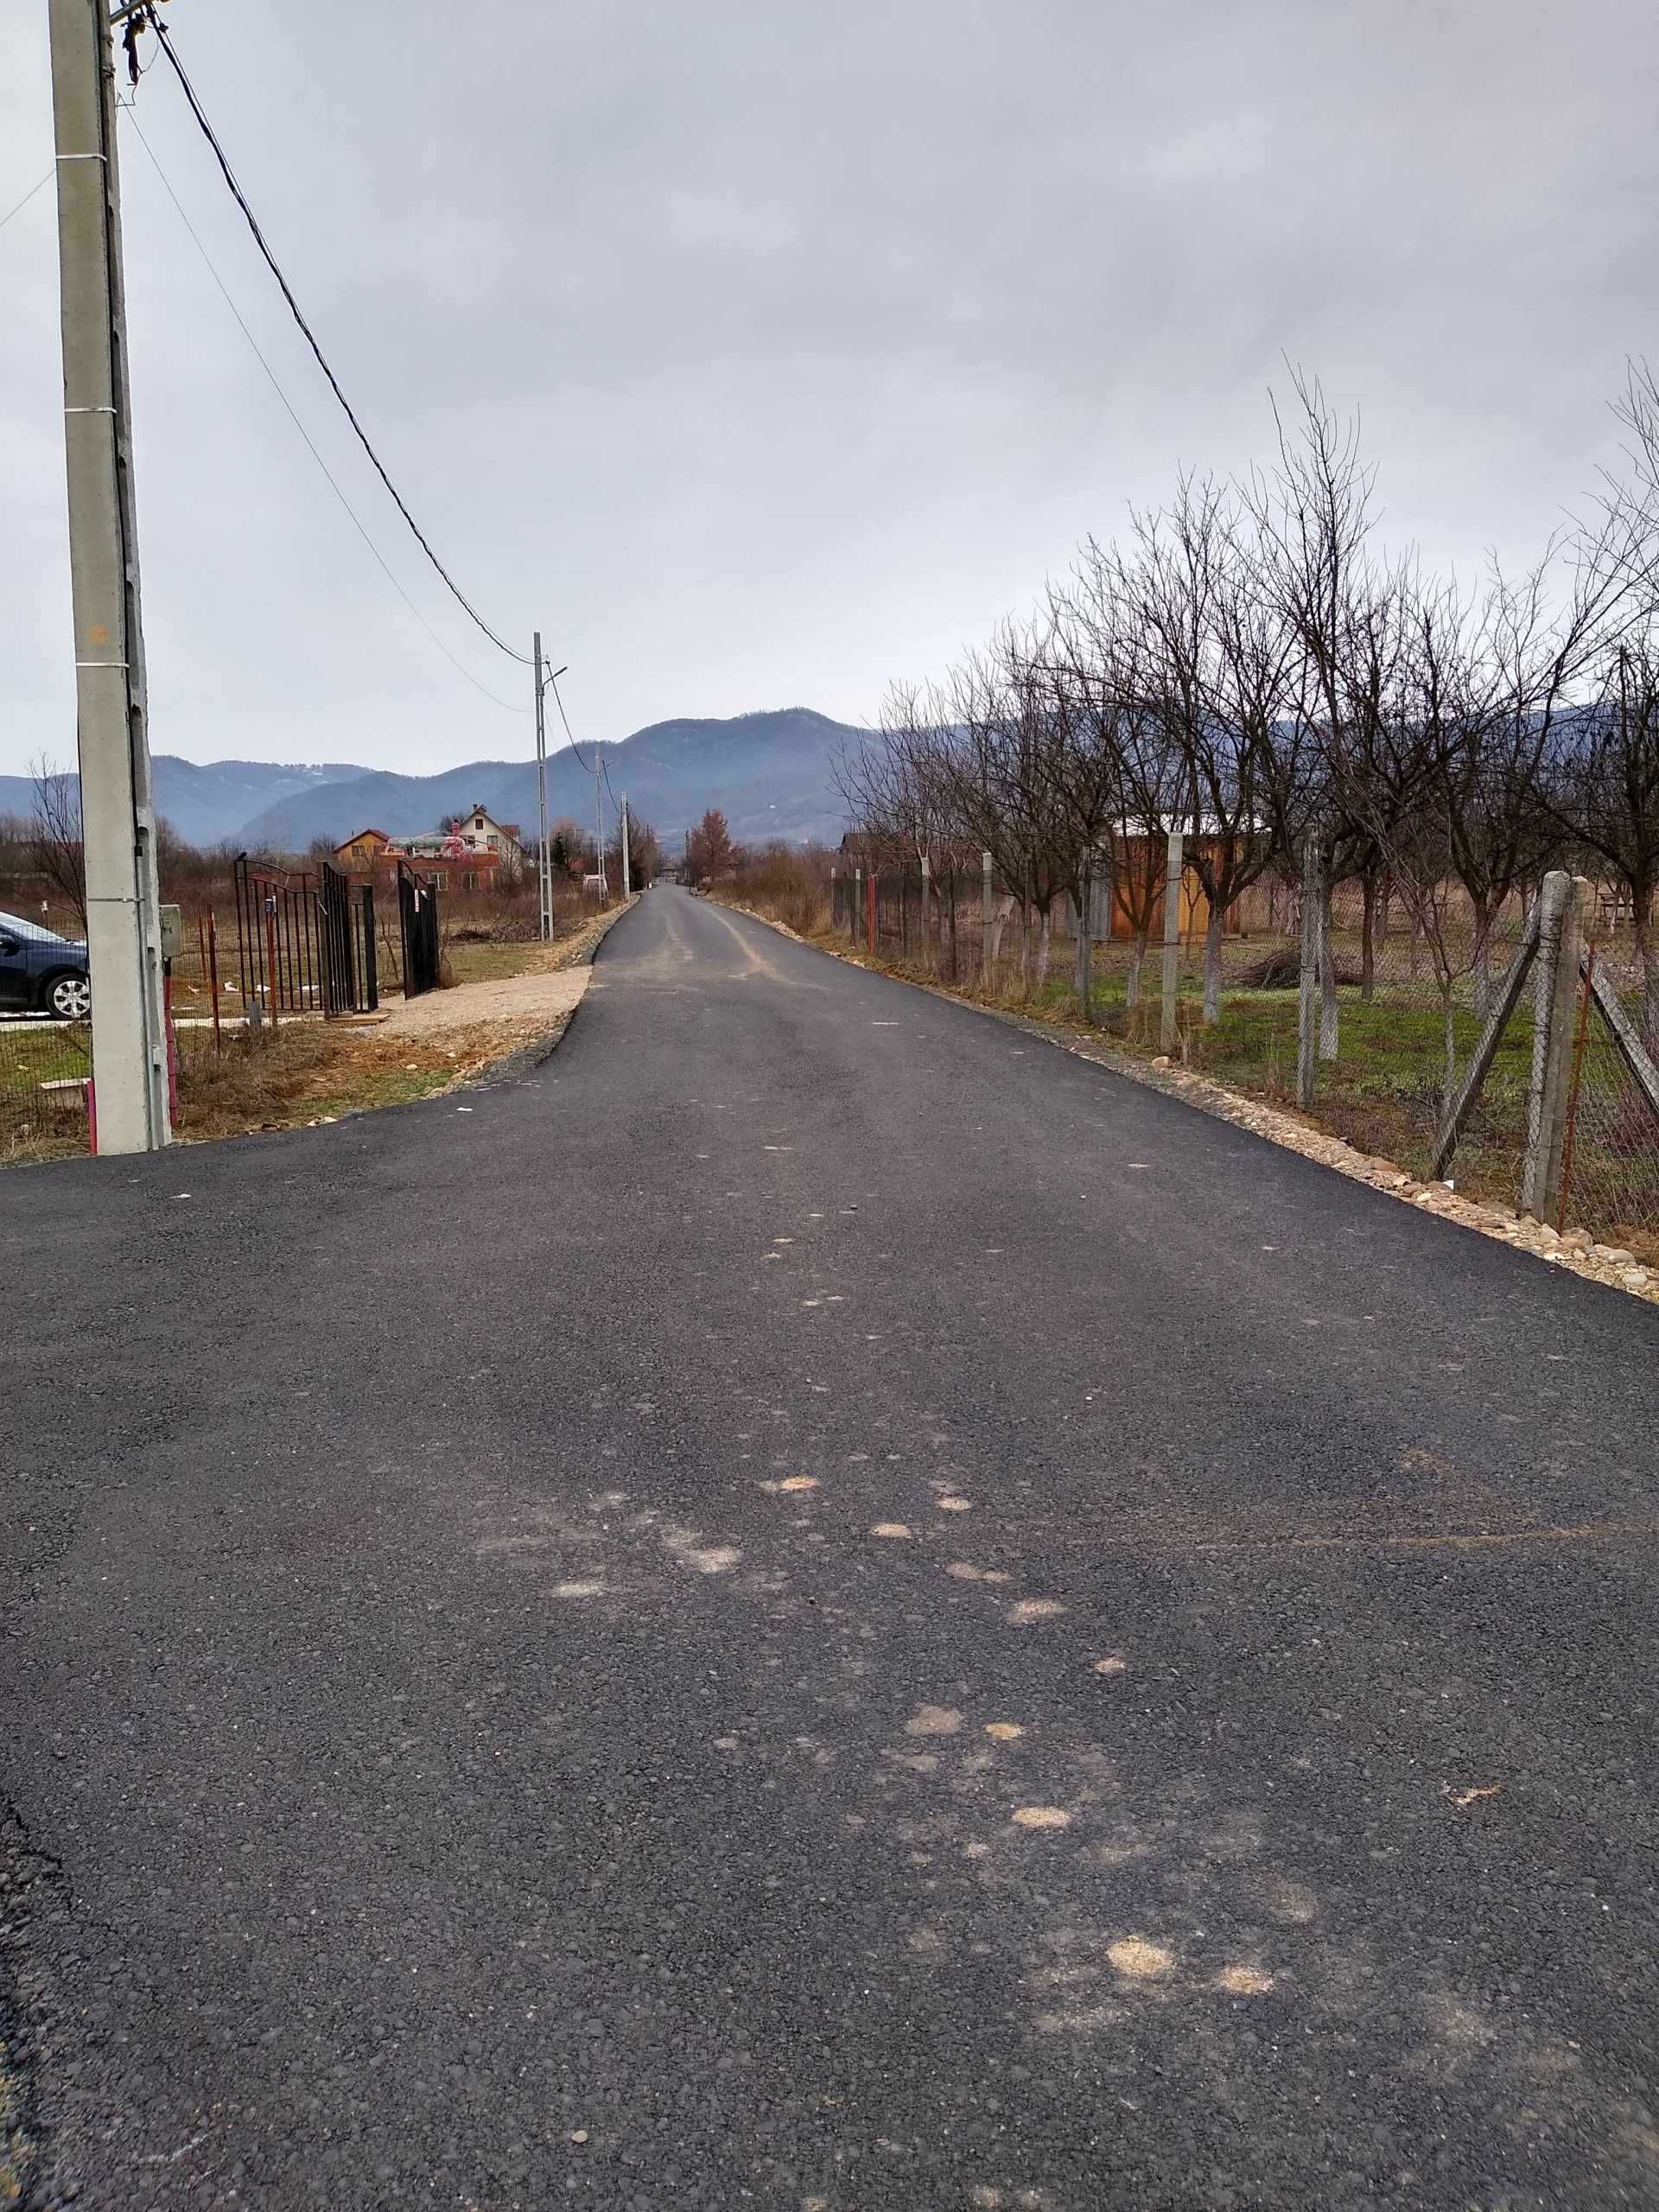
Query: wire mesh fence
1399	992
280	947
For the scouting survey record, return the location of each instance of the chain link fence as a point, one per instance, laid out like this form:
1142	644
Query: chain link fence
1398	995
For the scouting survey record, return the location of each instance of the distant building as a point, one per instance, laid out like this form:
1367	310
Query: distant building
360	855
471	856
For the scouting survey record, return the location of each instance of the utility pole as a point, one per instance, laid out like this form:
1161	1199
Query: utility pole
627	889
124	936
543	864
599	828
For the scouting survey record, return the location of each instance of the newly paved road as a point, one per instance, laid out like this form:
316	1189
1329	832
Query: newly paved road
1193	1745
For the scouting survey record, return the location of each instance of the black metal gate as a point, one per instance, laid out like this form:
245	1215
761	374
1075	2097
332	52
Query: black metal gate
305	945
417	908
345	930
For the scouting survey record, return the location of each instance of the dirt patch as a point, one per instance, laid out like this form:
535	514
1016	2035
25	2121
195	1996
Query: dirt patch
520	1003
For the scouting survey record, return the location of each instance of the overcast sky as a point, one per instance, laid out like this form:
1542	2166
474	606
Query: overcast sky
761	352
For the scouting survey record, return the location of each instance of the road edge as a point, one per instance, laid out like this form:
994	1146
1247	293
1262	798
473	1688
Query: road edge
1533	1240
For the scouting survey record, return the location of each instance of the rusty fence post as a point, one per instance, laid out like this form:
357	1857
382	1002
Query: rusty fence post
213	975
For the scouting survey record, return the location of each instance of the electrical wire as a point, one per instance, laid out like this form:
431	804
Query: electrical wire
333	486
27	197
272	263
570	734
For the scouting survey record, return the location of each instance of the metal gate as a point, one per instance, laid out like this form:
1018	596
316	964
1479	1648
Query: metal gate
305	945
345	929
417	908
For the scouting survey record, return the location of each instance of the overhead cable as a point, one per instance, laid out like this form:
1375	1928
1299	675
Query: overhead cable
27	197
569	735
333	486
272	263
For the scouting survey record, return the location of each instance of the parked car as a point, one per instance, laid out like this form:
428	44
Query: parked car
41	972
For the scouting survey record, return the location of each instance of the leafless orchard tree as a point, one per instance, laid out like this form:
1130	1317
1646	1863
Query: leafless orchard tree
1250	666
998	762
56	852
1114	656
1602	790
1221	666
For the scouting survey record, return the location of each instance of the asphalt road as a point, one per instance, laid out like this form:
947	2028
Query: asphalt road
816	1604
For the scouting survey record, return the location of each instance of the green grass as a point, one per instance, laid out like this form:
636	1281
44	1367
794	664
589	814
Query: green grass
36	1124
492	960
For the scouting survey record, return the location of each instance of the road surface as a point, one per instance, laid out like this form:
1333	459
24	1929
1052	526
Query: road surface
817	1605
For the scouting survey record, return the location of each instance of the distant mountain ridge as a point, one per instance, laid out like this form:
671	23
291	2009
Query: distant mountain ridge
208	803
770	773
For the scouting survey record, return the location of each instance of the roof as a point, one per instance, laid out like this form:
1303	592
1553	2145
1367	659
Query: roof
356	834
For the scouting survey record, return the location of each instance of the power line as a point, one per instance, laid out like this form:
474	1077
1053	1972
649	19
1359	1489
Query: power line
24	201
271	263
276	386
569	735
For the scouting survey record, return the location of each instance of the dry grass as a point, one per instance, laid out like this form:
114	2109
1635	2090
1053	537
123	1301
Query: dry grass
304	1072
792	890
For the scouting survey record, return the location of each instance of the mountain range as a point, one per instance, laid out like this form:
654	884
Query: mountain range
771	774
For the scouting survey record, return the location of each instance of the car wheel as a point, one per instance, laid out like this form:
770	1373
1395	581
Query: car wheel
70	997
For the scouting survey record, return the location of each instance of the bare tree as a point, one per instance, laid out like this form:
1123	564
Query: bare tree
1603	791
1221	666
56	851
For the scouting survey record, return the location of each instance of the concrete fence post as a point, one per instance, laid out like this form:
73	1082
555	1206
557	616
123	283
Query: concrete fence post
985	974
856	904
1313	932
1555	988
1085	928
927	917
1172	871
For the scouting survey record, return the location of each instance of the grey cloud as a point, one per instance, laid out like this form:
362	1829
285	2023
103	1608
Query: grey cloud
759	353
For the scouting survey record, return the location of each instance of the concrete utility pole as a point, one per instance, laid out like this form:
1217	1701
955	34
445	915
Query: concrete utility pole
118	814
543	865
626	887
599	828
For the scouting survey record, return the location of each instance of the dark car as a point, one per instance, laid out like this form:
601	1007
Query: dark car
41	972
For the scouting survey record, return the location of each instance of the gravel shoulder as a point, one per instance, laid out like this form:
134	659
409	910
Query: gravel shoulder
523	1001
1576	1252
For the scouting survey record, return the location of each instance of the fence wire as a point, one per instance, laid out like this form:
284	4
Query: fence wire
1412	984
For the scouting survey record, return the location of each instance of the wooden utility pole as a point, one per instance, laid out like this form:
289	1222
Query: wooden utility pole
117	813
